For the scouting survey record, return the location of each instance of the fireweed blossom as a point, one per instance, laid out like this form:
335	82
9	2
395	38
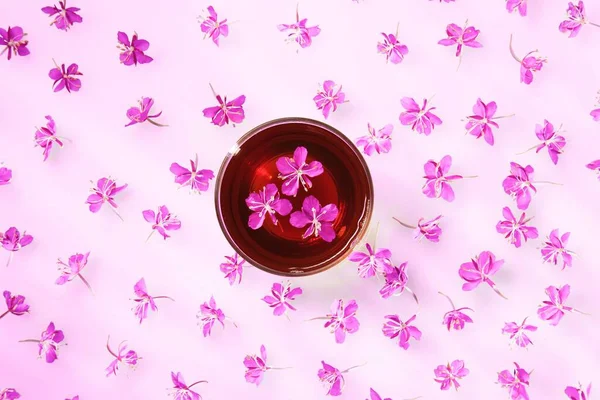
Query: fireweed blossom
376	141
5	177
516	231
73	269
162	221
299	32
532	62
104	192
594	166
420	119
65	78
376	396
375	261
456	319
575	393
209	314
122	357
64	17
197	180
14	41
256	366
137	115
393	328
143	301
319	219
13	241
49	343
396	279
233	268
554	249
520	186
551	139
132	53
479	124
449	374
554	310
9	394
226	110
329	97
438	181
342	319
516	382
15	304
333	379
514	5
296	171
466	36
575	20
429	230
45	137
480	270
211	26
281	296
182	391
266	201
518	333
392	48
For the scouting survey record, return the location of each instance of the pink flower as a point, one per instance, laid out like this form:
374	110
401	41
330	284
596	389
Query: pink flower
282	294
332	378
295	171
162	221
516	231
45	137
49	343
519	186
329	97
529	64
144	300
437	182
513	5
375	262
480	270
395	281
449	374
15	304
104	192
391	47
376	396
123	356
256	366
266	201
342	319
421	119
594	166
319	219
226	111
393	328
14	40
233	268
132	52
140	114
516	382
212	28
518	333
554	249
551	139
65	17
456	319
575	19
576	393
554	309
65	78
479	124
13	241
595	114
73	270
196	180
376	141
208	314
181	391
299	32
9	394
5	175
461	36
429	230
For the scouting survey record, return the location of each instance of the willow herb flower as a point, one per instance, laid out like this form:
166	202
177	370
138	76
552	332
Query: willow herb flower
456	319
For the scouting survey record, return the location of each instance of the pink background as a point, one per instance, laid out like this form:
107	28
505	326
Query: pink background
47	199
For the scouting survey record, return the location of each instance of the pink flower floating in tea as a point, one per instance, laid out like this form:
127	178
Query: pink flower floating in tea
13	241
373	262
576	19
376	396
266	201
480	270
233	268
392	48
332	378
329	97
518	333
65	78
376	141
226	110
182	391
578	393
319	219
5	175
143	301
132	53
594	166
421	119
162	221
515	230
9	394
517	5
256	366
281	296
554	309
72	270
137	115
438	181
121	357
14	41
45	137
479	124
48	343
516	382
529	64
429	230
104	192
456	319
299	32
296	171
554	250
15	304
449	374
394	327
210	25
64	17
197	180
342	319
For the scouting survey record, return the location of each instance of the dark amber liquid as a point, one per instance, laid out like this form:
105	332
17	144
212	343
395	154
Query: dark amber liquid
345	182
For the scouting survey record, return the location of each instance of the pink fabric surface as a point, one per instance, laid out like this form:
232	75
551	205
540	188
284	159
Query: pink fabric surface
47	198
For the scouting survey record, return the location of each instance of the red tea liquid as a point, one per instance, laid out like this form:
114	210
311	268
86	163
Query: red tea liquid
345	182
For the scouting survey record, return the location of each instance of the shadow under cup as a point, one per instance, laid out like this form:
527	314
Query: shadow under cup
280	248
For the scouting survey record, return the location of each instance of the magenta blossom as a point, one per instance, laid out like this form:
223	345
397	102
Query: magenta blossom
14	40
64	17
480	270
519	185
132	53
514	5
5	175
332	378
554	249
282	294
550	139
429	230
372	263
208	314
595	114
45	137
65	78
516	382
376	141
449	374
479	124
437	182
421	119
144	300
460	37
577	393
575	19
49	343
266	201
73	270
13	241
196	179
342	319
392	48
212	28
554	310
393	328
529	64
226	111
104	192
256	366
123	356
295	171
518	333
15	304
9	394
516	231
329	97
162	221
299	32
594	166
140	114
456	319
233	268
181	391
376	396
395	282
319	219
